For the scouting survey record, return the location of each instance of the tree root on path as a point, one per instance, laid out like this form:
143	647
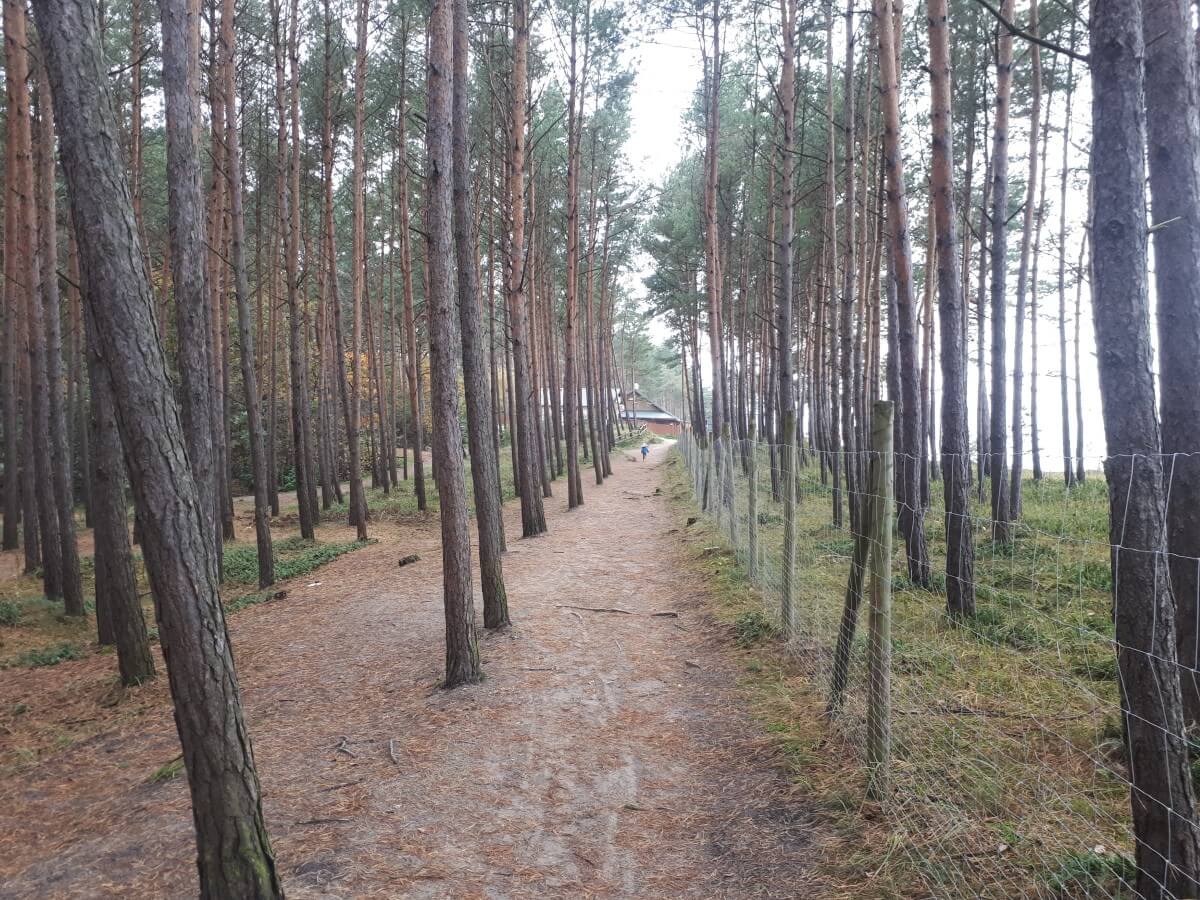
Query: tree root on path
665	614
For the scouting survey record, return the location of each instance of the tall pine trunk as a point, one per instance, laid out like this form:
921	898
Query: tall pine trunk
485	470
233	150
1001	500
1167	839
235	858
955	448
912	515
1173	130
462	648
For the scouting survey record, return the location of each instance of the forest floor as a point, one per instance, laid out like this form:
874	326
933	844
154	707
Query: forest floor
607	753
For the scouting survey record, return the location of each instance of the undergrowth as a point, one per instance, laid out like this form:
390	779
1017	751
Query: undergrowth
999	718
46	656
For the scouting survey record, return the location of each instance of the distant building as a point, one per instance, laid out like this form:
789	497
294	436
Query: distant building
640	410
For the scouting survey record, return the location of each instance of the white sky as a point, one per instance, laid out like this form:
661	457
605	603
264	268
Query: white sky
668	73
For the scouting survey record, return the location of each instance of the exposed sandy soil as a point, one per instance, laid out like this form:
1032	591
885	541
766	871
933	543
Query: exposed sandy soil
606	754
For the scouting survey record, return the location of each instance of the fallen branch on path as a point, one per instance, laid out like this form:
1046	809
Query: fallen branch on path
665	614
343	746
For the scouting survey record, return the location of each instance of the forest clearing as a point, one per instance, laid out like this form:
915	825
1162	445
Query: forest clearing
600	448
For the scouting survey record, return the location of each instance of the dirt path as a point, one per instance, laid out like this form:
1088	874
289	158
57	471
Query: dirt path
606	755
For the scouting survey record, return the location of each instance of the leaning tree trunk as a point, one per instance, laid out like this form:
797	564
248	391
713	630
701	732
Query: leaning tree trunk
1167	838
462	648
956	459
1173	130
235	858
485	469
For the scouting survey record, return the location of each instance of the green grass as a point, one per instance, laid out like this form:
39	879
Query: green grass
10	613
167	771
999	718
294	556
753	627
1091	874
47	656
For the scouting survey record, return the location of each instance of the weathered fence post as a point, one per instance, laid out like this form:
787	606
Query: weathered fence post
730	488
787	599
879	657
752	508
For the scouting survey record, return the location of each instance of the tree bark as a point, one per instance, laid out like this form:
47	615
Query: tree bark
912	515
1001	500
1167	840
235	858
118	609
533	516
485	470
462	648
62	490
233	162
16	153
1063	377
358	500
185	219
1173	132
1031	187
955	447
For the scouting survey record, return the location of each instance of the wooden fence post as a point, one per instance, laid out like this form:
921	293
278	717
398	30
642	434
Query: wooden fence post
752	509
879	657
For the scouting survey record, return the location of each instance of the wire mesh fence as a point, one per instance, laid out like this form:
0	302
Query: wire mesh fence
1009	773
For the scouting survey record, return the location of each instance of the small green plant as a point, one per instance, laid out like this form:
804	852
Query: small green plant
753	627
167	771
48	656
991	627
1093	873
1096	667
10	613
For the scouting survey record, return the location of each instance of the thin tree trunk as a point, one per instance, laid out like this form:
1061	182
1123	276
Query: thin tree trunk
1001	500
358	500
118	609
1063	378
1031	187
60	454
533	516
233	152
955	448
912	515
14	260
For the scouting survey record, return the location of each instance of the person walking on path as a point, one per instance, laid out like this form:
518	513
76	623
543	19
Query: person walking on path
645	452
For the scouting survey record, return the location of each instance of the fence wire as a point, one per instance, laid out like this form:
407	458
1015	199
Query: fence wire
1008	775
